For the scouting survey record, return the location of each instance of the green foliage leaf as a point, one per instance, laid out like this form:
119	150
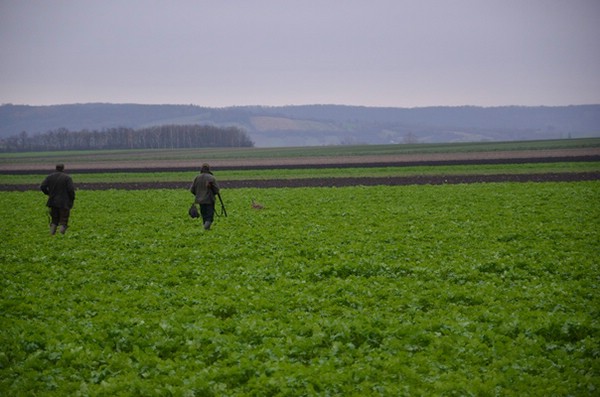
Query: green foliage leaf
486	289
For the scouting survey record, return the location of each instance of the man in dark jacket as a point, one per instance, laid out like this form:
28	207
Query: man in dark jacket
59	188
205	188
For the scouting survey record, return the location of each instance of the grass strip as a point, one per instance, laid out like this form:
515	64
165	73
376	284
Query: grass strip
208	154
321	173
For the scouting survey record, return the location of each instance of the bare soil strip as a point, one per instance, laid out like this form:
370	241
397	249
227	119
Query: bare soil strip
505	157
339	182
158	165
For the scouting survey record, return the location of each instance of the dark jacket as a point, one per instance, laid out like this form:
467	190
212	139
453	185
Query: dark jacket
205	188
60	190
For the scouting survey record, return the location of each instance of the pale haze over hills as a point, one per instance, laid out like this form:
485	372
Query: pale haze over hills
413	65
321	124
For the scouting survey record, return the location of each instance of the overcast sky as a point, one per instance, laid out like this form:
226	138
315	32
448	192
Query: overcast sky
218	53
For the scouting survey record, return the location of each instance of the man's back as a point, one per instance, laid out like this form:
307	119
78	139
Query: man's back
204	188
59	188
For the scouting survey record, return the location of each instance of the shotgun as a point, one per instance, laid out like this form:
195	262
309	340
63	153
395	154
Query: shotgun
223	210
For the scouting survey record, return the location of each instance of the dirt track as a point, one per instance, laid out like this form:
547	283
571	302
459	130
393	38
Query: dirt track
158	165
339	182
513	157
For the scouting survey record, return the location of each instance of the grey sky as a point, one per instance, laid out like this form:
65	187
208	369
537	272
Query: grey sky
276	52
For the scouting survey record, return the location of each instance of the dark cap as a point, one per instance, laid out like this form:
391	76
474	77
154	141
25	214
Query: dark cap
60	167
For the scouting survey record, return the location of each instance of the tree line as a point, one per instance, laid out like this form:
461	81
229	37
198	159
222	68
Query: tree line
158	137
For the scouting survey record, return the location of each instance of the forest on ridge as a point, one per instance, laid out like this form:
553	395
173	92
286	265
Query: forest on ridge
157	137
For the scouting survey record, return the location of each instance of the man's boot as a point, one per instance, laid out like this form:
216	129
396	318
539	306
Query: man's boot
207	225
52	229
63	229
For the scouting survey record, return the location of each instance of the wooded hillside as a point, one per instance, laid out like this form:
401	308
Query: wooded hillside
317	125
159	137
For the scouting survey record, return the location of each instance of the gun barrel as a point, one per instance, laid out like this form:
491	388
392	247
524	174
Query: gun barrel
222	205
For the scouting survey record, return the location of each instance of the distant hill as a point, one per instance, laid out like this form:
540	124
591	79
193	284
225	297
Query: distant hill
311	125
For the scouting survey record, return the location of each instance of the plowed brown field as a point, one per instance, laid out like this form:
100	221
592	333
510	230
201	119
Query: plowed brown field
472	158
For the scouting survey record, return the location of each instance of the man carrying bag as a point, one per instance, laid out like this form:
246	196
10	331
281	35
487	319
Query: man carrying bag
205	188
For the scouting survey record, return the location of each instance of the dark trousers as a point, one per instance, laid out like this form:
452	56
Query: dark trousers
60	216
208	212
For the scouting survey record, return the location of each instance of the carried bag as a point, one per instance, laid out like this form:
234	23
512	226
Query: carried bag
193	211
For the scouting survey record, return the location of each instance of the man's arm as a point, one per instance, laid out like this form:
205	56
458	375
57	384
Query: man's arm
71	189
214	186
44	187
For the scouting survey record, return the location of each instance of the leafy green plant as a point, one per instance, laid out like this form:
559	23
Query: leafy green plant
485	289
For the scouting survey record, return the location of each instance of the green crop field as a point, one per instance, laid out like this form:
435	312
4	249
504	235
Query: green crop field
210	154
482	289
363	172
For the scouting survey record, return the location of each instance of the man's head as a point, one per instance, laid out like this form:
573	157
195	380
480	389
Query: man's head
60	167
205	168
